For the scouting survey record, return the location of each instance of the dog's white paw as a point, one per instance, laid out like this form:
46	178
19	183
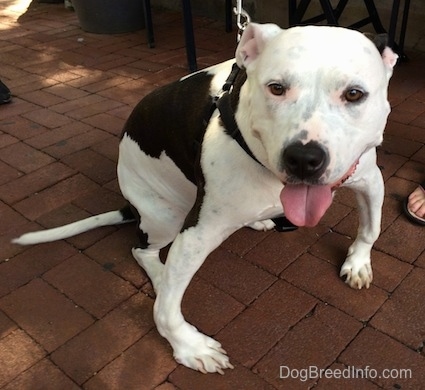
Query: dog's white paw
357	273
262	226
198	351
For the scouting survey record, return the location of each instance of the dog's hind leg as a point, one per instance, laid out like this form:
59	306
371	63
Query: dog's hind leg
155	234
149	260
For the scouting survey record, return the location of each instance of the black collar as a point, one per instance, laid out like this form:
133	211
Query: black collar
227	114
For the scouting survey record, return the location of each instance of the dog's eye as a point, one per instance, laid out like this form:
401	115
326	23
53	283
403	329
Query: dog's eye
277	89
353	95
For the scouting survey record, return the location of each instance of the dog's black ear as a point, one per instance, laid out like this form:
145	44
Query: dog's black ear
388	56
380	40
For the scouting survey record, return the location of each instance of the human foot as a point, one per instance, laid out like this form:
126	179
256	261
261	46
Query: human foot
414	205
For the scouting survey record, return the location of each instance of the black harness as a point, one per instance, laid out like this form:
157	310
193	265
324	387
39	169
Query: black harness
224	105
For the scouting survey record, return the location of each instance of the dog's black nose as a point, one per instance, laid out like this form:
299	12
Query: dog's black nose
305	161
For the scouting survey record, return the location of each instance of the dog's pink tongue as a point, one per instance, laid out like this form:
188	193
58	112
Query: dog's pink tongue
305	205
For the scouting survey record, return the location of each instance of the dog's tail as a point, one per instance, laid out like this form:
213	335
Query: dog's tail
116	217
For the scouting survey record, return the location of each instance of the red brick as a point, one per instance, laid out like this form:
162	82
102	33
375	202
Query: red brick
20	127
132	370
71	106
90	108
347	382
9	218
32	262
396	145
388	272
128	95
412	133
34	182
66	91
346	197
89	78
243	240
44	376
394	240
100	200
412	170
408	110
420	262
420	155
238	378
18	352
401	316
33	83
378	352
166	386
109	337
322	280
391	209
57	135
398	189
18	107
278	250
47	118
390	163
96	167
45	314
56	196
115	63
6	325
42	98
335	213
6	139
7	173
76	143
236	277
250	336
24	157
8	249
314	341
90	286
208	308
106	122
114	252
108	148
122	112
332	247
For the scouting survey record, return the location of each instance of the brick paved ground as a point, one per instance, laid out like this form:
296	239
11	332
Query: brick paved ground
78	313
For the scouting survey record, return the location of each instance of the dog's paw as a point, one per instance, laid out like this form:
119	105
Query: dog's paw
357	274
200	352
262	226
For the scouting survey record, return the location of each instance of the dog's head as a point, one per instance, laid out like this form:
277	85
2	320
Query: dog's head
314	102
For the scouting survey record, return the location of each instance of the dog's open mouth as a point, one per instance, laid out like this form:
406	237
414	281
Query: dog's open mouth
305	205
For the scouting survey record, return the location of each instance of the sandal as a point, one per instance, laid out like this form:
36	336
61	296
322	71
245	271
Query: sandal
409	213
5	96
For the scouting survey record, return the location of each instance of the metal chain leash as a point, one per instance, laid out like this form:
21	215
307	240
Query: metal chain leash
242	18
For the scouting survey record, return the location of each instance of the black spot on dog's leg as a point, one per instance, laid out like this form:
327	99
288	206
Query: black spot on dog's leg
141	235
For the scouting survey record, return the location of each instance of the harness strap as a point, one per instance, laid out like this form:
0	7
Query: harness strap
231	127
223	104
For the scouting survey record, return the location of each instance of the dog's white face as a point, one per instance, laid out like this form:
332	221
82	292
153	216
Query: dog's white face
320	86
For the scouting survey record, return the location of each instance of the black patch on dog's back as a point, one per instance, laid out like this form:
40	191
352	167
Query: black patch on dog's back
171	119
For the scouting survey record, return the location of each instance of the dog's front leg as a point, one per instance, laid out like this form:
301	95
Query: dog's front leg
191	348
370	197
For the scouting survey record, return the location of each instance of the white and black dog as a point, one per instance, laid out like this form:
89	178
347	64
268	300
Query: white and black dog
301	115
